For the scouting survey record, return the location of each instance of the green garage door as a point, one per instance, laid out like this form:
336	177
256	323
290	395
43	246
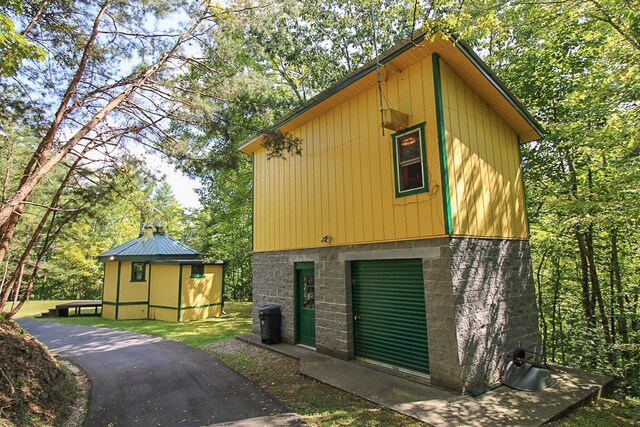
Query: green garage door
389	313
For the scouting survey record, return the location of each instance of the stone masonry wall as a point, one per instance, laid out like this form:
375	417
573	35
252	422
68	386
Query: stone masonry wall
479	299
495	305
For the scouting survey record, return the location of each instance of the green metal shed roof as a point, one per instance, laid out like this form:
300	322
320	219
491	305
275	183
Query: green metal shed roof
158	246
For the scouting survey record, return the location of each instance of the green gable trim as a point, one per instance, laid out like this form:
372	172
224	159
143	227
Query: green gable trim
423	161
118	288
442	145
179	292
347	81
399	49
500	87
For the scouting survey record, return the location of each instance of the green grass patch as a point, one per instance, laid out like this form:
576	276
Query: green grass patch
33	308
196	334
604	413
317	403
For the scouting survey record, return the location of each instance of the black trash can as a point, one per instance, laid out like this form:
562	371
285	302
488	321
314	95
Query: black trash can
270	323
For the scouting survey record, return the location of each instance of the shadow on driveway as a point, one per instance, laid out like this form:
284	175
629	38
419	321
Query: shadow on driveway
142	380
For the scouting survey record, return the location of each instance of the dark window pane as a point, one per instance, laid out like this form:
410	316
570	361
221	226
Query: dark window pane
411	176
197	271
137	271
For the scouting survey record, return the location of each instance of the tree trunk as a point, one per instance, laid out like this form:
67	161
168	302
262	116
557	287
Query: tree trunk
617	280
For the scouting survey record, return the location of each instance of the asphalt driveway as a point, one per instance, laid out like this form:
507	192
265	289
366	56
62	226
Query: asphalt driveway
148	381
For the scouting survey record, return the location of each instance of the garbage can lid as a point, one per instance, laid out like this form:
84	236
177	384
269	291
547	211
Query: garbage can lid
270	308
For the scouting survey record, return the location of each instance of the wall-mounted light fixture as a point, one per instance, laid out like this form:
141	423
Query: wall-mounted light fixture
326	239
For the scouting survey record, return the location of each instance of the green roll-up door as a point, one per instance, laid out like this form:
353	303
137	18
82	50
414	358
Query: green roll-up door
390	323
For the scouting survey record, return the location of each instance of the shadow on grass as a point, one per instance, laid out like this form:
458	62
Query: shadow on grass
196	334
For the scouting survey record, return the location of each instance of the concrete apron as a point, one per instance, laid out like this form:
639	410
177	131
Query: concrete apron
502	406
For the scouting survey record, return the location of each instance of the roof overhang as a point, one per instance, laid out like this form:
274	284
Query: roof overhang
457	54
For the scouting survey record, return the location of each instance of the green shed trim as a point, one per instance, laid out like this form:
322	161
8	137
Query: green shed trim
179	292
163	306
442	145
224	274
104	276
118	304
202	306
118	288
149	291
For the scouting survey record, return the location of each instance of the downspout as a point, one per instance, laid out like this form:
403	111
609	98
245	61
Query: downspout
179	291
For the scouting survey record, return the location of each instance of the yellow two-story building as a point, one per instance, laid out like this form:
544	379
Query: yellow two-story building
399	236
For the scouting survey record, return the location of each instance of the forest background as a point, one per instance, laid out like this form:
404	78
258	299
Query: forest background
86	87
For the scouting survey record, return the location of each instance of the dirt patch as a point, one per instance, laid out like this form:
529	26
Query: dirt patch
34	388
317	403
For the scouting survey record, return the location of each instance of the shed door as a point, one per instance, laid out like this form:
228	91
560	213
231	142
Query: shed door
389	313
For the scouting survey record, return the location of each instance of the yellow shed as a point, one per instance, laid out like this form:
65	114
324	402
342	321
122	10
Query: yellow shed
158	277
399	236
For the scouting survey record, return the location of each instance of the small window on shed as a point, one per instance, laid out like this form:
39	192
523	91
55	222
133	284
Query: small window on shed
138	271
197	271
410	161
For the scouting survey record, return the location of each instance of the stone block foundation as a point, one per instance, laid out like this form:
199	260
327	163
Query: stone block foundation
479	295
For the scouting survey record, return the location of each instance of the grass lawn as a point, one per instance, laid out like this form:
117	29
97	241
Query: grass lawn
195	334
318	403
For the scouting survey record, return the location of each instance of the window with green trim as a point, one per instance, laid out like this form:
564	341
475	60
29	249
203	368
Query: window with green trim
197	271
138	270
410	162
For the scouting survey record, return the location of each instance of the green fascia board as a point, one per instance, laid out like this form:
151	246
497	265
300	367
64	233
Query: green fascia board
497	83
189	262
147	258
393	53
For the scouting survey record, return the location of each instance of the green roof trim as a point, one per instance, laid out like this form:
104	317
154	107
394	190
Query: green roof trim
392	53
497	83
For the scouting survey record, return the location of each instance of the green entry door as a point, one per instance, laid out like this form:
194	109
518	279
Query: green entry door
305	304
390	325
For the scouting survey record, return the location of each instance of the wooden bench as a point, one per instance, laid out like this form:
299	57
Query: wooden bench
63	309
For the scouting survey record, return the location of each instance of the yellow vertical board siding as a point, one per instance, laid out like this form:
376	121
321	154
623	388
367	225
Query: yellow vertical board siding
487	197
160	313
132	291
343	183
110	281
108	311
202	291
164	291
137	311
